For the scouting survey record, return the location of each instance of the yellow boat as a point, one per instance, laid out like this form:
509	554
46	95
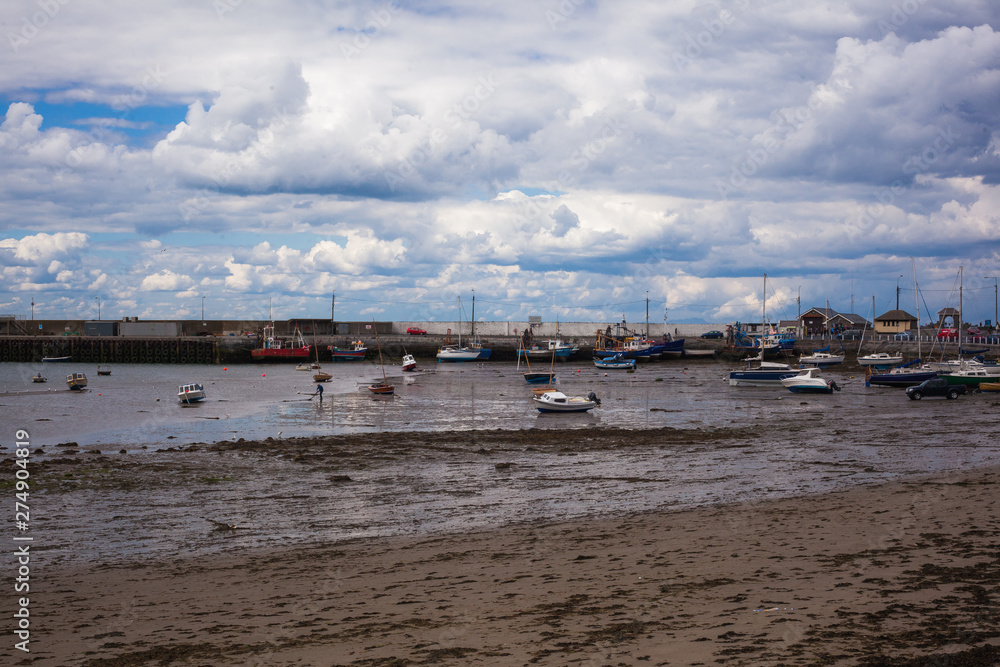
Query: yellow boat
989	386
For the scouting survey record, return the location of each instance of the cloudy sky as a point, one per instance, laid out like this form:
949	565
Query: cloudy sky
566	158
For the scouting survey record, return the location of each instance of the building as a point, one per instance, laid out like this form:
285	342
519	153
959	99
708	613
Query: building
895	321
827	320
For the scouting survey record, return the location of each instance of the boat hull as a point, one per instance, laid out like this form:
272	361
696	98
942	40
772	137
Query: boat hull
56	359
281	354
902	380
755	378
382	389
556	401
348	355
537	378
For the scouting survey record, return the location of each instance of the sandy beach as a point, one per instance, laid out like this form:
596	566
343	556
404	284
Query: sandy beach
898	573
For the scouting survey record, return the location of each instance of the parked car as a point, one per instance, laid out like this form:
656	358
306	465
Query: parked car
948	334
904	335
974	331
850	334
935	387
414	331
713	334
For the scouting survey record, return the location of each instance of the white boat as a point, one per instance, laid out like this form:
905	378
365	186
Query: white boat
409	363
809	382
556	401
821	359
303	367
880	359
459	353
191	393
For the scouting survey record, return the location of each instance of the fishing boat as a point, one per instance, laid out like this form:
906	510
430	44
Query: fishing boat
382	388
809	382
821	358
409	363
472	352
76	381
615	361
191	393
881	359
104	370
556	401
56	359
356	352
274	348
38	378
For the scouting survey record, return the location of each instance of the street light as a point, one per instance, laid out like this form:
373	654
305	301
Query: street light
994	300
897	291
98	308
202	311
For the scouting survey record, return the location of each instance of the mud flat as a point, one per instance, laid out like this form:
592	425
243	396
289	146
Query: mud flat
893	573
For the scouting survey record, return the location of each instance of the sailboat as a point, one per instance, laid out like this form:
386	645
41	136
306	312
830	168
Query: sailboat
474	351
382	388
320	375
766	373
878	359
907	375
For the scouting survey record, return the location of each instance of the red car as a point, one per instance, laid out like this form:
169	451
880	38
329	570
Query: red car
948	334
414	331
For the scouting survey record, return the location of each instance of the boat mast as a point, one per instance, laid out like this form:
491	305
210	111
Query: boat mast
916	293
381	363
473	315
960	283
460	323
763	314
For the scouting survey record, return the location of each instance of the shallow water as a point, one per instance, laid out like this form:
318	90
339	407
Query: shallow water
801	445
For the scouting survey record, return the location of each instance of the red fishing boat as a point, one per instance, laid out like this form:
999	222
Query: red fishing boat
275	349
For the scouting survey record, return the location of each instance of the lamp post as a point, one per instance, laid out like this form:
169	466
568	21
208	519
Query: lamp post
98	308
994	300
897	291
202	311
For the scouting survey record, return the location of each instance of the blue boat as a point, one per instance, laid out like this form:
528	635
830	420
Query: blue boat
538	378
907	375
617	361
765	374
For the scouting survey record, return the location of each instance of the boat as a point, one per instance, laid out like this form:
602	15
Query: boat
76	381
989	386
304	367
322	376
409	363
764	374
56	359
821	358
562	349
615	361
472	352
556	401
191	393
533	377
699	354
881	359
969	376
38	378
275	349
907	375
356	352
382	388
809	382
104	370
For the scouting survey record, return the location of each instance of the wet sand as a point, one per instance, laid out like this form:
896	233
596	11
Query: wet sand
898	573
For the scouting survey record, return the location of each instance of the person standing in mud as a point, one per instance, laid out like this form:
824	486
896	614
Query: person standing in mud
319	392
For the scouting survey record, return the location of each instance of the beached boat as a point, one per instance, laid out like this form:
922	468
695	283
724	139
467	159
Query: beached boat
409	363
56	359
970	377
322	376
356	352
556	401
38	378
764	374
304	367
880	359
617	361
274	348
104	370
907	375
76	381
472	352
191	393
821	358
809	382
382	388
989	386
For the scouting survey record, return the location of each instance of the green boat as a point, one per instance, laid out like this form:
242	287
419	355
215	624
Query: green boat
970	377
